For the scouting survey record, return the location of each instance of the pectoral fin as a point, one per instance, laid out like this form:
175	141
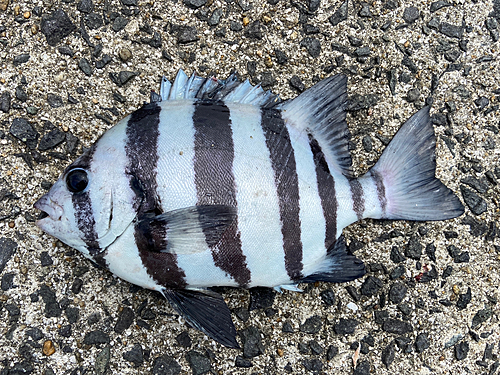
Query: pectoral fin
187	230
207	312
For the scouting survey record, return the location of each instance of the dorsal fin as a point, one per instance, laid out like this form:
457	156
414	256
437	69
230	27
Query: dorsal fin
320	111
212	88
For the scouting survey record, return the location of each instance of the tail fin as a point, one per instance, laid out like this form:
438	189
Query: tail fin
406	174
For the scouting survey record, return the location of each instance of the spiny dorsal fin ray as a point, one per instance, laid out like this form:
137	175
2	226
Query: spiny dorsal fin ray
227	90
320	111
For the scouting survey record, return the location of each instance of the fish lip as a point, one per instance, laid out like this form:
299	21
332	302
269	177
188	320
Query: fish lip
51	209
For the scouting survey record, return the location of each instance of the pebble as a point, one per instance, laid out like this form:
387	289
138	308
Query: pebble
464	299
388	354
72	313
45	259
397	292
5	102
119	23
328	297
413	249
435	6
421	342
457	255
125	319
363	368
413	95
94	21
125	54
20	94
187	34
48	348
184	340
65	331
242	362
371	286
7	281
96	337
316	348
340	14
314	365
261	298
85	66
21	59
411	14
52	308
297	83
199	363
35	333
123	77
287	328
331	352
252	344
56	26
102	361
254	31
215	17
481	317
135	355
312	325
194	4
450	30
345	326
396	326
396	255
55	101
461	350
312	45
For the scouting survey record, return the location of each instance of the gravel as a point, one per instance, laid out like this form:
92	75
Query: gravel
430	296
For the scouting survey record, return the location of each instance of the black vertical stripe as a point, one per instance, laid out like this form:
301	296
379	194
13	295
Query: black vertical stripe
215	185
83	209
379	183
287	186
142	152
358	197
326	189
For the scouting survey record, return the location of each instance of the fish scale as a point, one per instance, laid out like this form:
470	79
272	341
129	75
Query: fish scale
220	183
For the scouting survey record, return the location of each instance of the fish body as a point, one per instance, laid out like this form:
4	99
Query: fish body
221	184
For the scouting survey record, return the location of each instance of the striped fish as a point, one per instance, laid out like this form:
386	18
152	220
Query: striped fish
218	183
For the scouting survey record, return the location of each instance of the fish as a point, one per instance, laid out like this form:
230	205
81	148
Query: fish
218	183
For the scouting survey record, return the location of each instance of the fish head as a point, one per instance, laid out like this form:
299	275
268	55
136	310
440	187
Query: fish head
90	205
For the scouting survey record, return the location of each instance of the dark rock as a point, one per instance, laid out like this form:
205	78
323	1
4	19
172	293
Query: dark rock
428	276
481	317
345	326
187	34
94	21
21	368
392	80
461	350
65	331
165	365
328	297
413	249
411	14
5	102
253	31
464	299
267	80
371	286
130	2
242	362
261	298
77	285
457	255
488	352
184	340
85	6
313	365
235	26
450	30
312	325
52	308
452	55
242	313
363	368
396	255
8	281
85	66
252	344
421	342
304	348
55	101
404	344
135	355
119	23
125	319
340	14
297	84
46	259
194	4
123	77
310	29
93	318
332	352
435	6
20	59
413	95
353	293
21	94
358	102
312	45
367	143
397	292
56	26
35	333
72	313
96	337
215	17
49	141
316	348
396	326
7	249
388	354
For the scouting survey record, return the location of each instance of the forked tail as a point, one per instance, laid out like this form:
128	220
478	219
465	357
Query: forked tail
404	176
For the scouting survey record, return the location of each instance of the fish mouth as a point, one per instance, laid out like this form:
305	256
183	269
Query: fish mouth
48	209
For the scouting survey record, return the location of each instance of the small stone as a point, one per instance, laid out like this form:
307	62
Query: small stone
388	354
312	45
363	368
198	362
49	141
450	30
94	21
297	83
187	34
85	66
45	259
252	344
316	348
396	326
261	298
215	17
21	59
52	308
55	101
21	94
435	6
411	14
452	55
253	31
287	328
48	348
119	23
313	365
328	297
242	362
413	95
457	255
135	355
65	331
77	285
5	102
72	313
461	350
397	292
312	325
340	14
242	313
371	286
396	255
367	143
7	281
102	361
332	352
421	342
194	4
123	77
235	26
481	317
184	340
96	337
56	26
345	326
267	80
281	57
125	54
125	319
7	249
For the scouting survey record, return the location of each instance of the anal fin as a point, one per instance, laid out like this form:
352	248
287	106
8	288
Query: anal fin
339	266
205	311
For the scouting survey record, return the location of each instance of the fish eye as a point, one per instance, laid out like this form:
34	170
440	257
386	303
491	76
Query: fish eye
77	180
